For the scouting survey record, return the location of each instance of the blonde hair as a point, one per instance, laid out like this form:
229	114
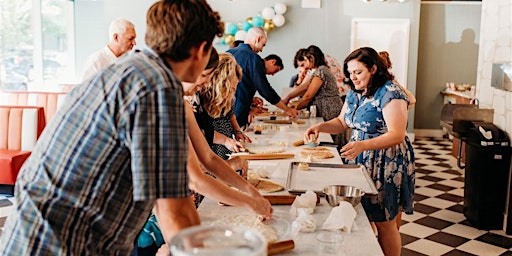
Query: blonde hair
217	97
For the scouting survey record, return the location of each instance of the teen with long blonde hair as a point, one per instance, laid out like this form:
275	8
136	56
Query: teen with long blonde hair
217	100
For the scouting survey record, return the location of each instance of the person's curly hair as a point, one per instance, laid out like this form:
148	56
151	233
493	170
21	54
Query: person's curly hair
369	57
217	98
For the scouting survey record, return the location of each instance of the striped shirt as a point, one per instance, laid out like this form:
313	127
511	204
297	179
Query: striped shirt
116	145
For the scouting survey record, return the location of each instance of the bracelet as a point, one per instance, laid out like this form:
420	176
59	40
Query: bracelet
238	131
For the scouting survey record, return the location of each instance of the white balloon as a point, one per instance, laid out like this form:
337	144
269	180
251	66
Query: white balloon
280	8
278	20
240	35
268	13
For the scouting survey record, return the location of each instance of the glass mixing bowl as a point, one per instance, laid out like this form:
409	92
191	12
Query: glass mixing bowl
218	240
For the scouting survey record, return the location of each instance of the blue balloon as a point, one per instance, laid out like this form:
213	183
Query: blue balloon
232	29
257	21
246	25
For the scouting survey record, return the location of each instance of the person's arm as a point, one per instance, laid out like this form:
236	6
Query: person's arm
239	135
175	214
292	112
334	126
210	160
214	189
230	143
298	90
312	89
412	99
395	116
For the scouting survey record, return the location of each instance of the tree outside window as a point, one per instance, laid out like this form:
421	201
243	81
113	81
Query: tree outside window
35	40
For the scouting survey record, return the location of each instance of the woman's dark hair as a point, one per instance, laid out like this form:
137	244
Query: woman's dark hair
317	54
299	56
369	57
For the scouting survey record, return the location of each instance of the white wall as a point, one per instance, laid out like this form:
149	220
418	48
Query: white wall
447	53
328	27
495	46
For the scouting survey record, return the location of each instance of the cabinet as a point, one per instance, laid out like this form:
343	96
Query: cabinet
457	97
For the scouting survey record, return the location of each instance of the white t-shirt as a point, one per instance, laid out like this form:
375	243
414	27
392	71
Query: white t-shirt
98	60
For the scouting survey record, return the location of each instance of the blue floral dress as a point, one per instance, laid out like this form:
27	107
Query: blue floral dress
392	169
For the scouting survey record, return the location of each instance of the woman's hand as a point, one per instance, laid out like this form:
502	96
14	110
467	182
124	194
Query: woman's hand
261	206
352	149
240	136
257	102
233	145
238	163
311	130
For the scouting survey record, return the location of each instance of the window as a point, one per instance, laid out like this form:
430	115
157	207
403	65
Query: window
36	44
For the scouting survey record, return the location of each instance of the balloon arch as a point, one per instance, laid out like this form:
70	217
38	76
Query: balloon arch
269	19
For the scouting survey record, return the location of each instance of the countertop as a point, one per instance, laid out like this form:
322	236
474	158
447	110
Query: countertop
464	94
359	242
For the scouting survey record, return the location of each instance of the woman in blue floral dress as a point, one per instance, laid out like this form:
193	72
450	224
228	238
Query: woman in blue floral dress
376	110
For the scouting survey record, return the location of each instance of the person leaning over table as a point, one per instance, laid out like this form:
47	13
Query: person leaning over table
297	79
203	119
117	148
273	64
217	100
246	196
254	78
322	90
376	110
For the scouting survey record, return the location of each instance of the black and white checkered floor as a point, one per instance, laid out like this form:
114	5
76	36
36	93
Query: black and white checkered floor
438	226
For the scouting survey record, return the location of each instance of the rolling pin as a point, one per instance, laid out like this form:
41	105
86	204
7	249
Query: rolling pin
266	156
280	246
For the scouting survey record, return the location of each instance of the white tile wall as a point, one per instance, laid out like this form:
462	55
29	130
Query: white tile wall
495	45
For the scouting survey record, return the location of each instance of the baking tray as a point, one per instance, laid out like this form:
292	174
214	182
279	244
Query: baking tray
320	175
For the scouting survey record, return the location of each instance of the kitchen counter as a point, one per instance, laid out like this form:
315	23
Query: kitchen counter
359	242
457	97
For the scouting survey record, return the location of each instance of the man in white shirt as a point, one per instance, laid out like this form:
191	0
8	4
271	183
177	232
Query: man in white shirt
122	39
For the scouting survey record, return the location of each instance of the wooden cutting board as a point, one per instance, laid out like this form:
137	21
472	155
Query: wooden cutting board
284	199
273	114
266	186
283	121
280	199
266	156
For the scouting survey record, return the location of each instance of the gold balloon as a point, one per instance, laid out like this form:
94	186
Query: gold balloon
268	25
249	20
228	39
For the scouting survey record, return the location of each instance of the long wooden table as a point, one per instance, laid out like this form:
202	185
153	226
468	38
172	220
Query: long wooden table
359	242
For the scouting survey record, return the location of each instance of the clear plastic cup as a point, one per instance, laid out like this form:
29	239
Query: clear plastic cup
218	240
329	242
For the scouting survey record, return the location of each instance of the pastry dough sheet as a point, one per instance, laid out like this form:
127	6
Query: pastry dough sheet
320	175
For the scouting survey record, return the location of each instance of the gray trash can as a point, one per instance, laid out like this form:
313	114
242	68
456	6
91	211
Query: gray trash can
488	155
